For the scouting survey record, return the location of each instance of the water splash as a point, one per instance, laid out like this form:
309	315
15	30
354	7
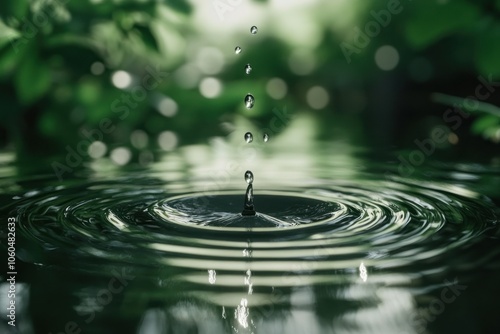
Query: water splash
248	206
404	228
265	137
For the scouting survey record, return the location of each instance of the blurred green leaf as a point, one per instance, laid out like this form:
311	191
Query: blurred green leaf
16	9
7	34
431	20
32	80
483	107
89	91
53	10
180	5
482	124
69	39
492	133
146	36
488	50
8	61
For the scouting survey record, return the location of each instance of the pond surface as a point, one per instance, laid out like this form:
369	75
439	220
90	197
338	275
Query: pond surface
340	243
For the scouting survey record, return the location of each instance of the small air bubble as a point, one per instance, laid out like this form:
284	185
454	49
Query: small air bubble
254	30
237	50
248	137
249	101
248	69
249	177
265	137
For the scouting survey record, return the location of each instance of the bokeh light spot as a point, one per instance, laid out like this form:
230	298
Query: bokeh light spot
139	139
121	155
97	149
121	79
387	57
167	140
210	87
97	68
317	97
276	88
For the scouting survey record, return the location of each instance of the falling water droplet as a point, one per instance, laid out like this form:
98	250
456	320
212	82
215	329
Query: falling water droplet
249	177
248	137
237	50
254	30
249	101
265	137
248	69
223	312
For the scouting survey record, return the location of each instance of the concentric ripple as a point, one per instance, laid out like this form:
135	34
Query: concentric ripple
317	244
340	243
337	226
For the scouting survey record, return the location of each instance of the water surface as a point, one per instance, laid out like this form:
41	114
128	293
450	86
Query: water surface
340	243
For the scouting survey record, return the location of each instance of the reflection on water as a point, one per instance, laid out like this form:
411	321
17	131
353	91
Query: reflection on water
363	274
212	276
361	249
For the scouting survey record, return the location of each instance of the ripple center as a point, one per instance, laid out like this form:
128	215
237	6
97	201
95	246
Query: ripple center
223	209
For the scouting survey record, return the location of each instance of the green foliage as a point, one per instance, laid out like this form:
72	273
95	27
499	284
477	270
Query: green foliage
486	125
45	76
7	34
468	24
430	20
488	50
16	9
32	79
487	122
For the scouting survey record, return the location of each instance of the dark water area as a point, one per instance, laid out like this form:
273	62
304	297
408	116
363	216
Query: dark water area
340	243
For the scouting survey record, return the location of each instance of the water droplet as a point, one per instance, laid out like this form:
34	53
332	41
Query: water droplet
249	177
248	68
249	101
248	137
265	137
254	30
237	50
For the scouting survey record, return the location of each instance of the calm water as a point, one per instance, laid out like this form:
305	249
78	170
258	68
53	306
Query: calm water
340	244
